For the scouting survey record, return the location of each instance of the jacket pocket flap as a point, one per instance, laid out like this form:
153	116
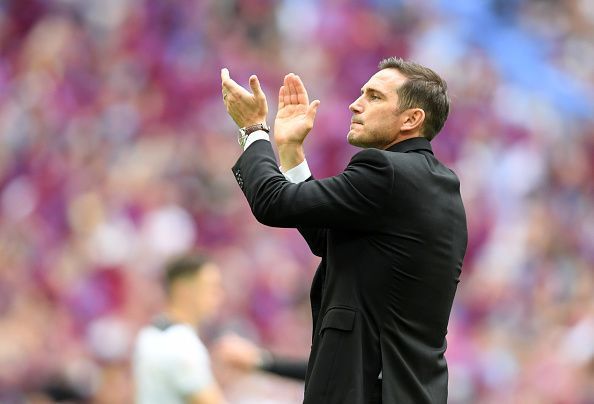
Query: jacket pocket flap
339	318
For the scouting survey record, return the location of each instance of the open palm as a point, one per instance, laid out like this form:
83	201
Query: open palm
295	116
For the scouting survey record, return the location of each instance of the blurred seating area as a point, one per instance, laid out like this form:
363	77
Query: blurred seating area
116	153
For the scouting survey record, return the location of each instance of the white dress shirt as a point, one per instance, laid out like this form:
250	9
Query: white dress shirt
296	174
170	365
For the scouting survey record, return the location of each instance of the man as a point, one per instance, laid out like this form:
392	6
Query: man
391	231
171	364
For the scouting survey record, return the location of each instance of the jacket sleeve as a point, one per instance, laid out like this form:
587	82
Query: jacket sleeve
291	368
353	199
315	238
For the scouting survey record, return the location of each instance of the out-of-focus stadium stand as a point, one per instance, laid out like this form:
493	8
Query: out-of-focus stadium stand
115	152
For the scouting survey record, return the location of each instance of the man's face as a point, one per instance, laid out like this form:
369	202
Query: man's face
207	291
376	121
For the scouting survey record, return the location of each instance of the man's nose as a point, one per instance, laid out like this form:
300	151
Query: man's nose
355	107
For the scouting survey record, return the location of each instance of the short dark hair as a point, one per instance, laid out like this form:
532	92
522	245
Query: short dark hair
424	89
181	267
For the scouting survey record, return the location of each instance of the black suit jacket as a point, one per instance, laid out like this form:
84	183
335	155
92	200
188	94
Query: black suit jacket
391	231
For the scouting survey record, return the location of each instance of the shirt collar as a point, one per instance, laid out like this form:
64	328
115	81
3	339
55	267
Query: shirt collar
415	143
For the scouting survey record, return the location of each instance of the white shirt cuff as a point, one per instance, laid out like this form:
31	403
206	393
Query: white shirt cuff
257	135
298	173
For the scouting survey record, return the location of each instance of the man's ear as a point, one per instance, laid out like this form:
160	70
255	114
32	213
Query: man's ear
412	119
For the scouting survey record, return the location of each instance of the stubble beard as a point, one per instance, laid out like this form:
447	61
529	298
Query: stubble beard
357	141
350	137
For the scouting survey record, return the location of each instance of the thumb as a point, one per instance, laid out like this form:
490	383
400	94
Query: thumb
312	110
255	85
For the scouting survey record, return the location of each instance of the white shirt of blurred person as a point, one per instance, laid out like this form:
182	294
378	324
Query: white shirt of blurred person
171	364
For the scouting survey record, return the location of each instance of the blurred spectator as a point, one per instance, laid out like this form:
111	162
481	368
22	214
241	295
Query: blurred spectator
115	154
171	364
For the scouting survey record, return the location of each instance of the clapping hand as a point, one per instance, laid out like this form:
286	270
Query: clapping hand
295	116
245	109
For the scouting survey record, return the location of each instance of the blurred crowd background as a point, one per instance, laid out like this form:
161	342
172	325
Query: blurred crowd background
115	154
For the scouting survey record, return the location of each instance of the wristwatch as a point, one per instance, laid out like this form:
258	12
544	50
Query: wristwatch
245	132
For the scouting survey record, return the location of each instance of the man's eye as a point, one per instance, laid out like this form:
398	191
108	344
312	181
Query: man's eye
373	97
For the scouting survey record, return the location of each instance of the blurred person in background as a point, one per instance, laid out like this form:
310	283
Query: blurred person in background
171	364
391	231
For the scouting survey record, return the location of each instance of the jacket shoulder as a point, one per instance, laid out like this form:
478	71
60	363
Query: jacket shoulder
376	156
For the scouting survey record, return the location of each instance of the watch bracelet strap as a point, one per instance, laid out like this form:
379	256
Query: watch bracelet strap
248	130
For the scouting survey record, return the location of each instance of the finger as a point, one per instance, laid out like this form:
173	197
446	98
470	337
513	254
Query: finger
312	110
225	74
302	96
293	90
281	97
224	77
233	88
255	85
230	85
287	97
227	95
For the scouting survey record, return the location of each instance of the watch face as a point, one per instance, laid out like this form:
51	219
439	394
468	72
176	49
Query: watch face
248	130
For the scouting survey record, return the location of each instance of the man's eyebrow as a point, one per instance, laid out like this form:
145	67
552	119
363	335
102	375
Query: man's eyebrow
371	90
